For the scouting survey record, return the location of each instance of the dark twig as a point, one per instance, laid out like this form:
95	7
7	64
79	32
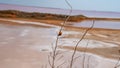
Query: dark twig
75	49
59	34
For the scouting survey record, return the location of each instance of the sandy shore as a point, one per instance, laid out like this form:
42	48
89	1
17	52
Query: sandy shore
24	45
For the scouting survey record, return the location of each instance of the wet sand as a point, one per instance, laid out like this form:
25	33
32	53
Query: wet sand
28	45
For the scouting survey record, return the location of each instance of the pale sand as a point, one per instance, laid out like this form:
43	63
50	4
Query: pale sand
28	46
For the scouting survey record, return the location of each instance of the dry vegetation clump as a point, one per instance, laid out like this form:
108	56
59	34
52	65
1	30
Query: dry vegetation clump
41	16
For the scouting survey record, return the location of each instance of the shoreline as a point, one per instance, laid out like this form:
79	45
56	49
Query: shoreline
52	22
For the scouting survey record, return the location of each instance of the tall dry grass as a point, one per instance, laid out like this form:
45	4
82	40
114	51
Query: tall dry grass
55	53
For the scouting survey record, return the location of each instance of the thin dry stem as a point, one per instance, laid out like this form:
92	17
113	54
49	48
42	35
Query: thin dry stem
59	34
75	49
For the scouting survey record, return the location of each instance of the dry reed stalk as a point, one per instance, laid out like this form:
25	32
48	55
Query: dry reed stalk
75	49
52	64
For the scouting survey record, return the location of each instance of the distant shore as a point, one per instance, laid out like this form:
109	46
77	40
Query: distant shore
48	16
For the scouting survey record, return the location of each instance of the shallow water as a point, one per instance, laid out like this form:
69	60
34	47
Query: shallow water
60	11
99	24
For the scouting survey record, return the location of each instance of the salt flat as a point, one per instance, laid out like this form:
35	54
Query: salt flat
29	46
